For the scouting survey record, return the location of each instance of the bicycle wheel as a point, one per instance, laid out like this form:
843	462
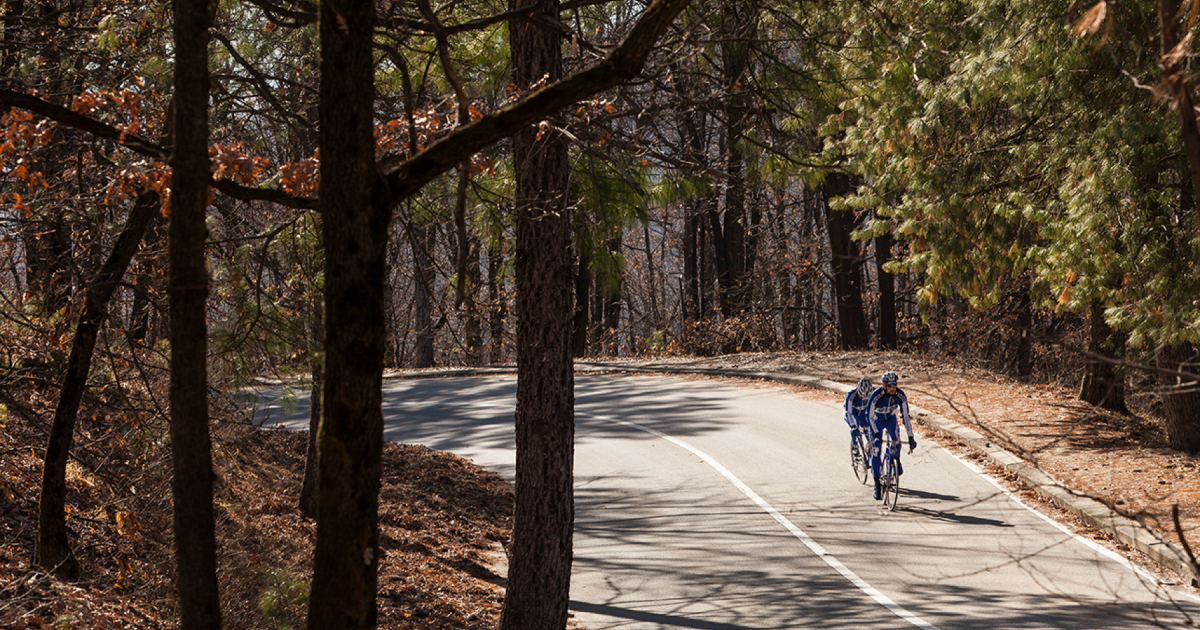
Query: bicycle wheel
891	486
858	459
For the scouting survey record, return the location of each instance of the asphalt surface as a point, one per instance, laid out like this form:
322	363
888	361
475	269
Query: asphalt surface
702	504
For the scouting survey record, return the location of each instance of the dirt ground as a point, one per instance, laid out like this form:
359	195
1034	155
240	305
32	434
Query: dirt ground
1121	460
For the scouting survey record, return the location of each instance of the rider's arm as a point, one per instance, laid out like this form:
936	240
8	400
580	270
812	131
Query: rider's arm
904	412
871	403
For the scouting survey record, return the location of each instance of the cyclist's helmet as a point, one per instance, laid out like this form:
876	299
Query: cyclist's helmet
890	378
864	388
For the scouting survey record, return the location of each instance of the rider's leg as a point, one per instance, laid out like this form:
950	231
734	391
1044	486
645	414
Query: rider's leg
892	431
875	463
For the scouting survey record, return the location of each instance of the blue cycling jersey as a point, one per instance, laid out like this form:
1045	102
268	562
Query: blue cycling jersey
882	408
881	411
856	410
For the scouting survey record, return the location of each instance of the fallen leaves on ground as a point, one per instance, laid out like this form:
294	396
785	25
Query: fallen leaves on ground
442	523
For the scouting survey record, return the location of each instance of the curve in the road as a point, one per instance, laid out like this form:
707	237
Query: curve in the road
762	503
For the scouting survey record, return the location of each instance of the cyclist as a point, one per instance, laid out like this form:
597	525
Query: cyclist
881	412
856	411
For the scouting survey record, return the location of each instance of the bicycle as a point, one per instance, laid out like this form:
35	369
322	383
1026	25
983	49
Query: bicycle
860	456
889	478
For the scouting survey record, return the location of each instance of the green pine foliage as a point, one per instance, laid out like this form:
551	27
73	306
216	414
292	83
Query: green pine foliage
997	144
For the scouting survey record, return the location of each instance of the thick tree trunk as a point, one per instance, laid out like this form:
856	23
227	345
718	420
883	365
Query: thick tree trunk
540	552
54	546
355	215
847	266
1181	397
192	486
887	293
1103	381
740	19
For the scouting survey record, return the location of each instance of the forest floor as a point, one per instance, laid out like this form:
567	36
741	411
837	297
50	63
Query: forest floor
443	518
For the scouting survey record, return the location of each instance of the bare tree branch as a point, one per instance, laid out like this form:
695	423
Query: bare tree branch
623	63
143	146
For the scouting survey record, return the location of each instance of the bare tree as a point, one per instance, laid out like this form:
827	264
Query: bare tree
53	548
192	485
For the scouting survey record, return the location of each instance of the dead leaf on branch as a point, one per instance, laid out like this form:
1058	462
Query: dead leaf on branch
1091	21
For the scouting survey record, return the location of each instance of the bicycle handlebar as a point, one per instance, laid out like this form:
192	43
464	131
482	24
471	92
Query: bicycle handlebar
887	442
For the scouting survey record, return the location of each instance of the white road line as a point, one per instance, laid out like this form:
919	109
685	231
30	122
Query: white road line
816	548
799	533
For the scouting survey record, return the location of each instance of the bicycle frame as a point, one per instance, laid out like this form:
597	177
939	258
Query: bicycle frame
889	477
860	456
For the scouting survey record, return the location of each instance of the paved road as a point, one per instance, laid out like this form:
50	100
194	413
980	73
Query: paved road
702	504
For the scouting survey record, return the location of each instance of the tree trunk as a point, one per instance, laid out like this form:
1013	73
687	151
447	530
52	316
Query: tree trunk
422	290
580	324
498	307
740	19
192	486
1179	91
656	320
47	245
540	551
690	123
308	489
54	546
606	307
721	255
1181	397
1023	357
355	215
887	293
1103	381
11	37
610	305
708	265
466	271
847	266
143	297
473	324
786	280
690	283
